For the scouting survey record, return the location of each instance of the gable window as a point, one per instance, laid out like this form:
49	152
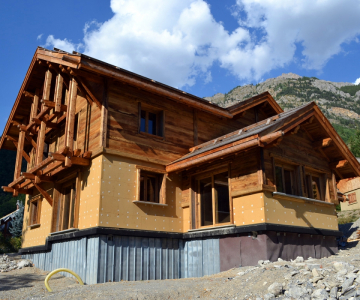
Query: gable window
35	211
151	185
151	121
285	179
214	200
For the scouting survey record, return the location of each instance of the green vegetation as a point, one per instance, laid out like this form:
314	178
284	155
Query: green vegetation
9	244
351	89
348	216
7	163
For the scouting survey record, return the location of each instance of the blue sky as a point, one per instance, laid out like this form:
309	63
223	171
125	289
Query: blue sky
202	47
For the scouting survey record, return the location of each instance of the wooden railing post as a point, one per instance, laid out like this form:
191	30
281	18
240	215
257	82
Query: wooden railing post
70	121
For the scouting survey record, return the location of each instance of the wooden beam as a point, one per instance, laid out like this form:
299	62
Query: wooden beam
47	85
104	117
51	167
35	103
339	164
57	156
58	92
86	87
73	159
15	142
19	154
40	144
28	94
44	193
87	154
70	121
51	104
195	127
30	140
322	143
42	165
48	124
20	191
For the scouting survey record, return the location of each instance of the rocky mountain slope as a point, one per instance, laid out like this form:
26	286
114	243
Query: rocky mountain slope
339	101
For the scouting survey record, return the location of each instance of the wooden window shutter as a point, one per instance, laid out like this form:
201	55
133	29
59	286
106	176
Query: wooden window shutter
352	198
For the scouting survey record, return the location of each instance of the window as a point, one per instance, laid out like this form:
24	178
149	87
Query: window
35	210
352	198
66	206
213	197
151	186
314	186
285	179
151	121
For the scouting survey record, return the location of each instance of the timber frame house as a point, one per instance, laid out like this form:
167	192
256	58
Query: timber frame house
130	179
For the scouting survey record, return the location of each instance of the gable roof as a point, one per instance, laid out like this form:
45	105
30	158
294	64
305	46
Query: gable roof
266	132
81	63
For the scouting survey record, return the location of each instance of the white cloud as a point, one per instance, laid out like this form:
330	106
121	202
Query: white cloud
39	36
60	44
357	81
178	41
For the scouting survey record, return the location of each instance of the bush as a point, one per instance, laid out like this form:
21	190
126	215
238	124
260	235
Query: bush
15	243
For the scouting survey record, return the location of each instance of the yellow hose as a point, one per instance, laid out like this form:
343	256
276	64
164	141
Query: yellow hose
57	271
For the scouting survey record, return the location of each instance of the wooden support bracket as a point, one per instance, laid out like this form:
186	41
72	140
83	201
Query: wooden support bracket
322	143
44	193
339	164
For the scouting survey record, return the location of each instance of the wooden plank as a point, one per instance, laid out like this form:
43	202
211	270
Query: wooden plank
195	124
44	193
16	181
79	161
57	156
104	116
51	167
35	103
40	143
87	89
77	200
43	164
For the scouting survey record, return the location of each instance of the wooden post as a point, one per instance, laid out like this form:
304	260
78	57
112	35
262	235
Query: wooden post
104	116
58	92
19	154
47	85
40	143
333	176
70	121
35	104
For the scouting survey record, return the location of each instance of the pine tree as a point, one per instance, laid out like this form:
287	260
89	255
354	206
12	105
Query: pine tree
17	221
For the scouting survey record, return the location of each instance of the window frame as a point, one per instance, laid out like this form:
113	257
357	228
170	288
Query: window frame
160	120
196	188
38	200
162	182
309	174
294	181
74	179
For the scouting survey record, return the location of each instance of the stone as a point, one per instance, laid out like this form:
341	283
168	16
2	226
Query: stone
296	292
346	284
342	272
313	266
260	262
293	273
23	263
333	292
315	273
280	259
299	259
319	294
269	296
266	262
276	288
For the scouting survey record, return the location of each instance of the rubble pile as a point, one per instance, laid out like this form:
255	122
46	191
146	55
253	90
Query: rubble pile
308	279
7	265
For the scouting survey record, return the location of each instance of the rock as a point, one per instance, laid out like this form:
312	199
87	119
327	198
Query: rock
333	292
299	259
260	262
280	259
315	273
296	292
342	272
319	294
23	263
269	296
266	262
276	288
293	273
241	273
346	284
313	266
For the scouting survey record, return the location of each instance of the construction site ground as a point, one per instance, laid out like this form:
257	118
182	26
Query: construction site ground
297	280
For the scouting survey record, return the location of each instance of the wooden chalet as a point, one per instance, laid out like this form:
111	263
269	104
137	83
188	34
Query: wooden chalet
130	179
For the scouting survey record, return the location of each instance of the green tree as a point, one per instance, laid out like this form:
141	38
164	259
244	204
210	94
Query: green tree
355	144
17	221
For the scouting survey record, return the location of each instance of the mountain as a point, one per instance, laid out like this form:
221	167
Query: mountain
339	101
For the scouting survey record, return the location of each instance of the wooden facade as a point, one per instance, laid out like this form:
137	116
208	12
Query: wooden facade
109	148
